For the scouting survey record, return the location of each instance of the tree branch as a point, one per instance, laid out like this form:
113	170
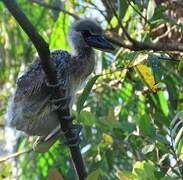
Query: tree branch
140	46
44	53
14	155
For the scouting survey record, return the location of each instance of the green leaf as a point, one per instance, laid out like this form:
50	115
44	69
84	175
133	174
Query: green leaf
163	103
179	136
150	9
114	22
124	175
146	127
144	170
94	175
148	148
58	37
180	148
147	77
82	98
177	116
123	5
86	118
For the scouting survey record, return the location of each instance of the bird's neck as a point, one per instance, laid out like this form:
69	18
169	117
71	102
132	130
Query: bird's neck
83	62
82	51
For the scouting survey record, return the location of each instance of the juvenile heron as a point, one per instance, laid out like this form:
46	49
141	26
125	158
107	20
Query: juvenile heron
32	109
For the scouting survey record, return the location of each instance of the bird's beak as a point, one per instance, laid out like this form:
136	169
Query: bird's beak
99	42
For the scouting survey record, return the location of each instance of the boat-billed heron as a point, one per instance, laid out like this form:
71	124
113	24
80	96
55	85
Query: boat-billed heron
31	109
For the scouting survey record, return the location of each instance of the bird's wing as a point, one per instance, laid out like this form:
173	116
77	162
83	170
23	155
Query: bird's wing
34	80
30	82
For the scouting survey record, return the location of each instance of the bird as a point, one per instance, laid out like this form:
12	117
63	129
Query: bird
31	108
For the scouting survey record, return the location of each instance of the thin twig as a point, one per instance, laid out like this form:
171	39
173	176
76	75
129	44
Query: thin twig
140	46
14	155
120	23
140	14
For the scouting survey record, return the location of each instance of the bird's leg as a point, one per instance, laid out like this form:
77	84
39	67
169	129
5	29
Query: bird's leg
63	104
60	103
75	140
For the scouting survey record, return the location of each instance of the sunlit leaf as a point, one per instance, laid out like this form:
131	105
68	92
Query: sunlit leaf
59	32
179	136
107	138
150	9
114	22
148	148
124	175
147	77
180	148
163	103
94	175
5	170
144	170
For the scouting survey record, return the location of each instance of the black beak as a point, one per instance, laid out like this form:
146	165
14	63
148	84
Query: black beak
99	42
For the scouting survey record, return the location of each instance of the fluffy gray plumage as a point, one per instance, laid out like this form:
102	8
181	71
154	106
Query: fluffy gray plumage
30	109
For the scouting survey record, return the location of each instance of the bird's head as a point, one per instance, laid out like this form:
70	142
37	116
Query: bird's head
87	33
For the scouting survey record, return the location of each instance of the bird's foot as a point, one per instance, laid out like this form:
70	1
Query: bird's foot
60	84
60	103
75	140
69	118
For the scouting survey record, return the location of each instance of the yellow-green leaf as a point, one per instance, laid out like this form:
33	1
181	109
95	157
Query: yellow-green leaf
124	175
108	138
147	77
94	175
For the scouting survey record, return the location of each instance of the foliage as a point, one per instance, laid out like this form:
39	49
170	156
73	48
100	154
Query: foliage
131	110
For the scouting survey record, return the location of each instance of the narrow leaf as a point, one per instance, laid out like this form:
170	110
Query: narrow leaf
123	5
82	98
180	148
94	175
148	148
163	103
147	77
179	136
150	9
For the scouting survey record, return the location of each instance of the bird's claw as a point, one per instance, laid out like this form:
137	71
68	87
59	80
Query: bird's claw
75	140
69	118
60	84
61	103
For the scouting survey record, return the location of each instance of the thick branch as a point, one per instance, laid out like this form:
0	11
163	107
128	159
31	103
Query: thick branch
140	46
51	74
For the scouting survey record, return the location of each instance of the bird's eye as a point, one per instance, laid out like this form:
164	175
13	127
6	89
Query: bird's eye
86	33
